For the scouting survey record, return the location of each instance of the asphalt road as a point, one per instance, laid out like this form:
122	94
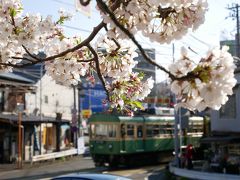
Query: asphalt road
156	172
47	170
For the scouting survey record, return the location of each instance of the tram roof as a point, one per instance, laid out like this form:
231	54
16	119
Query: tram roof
123	118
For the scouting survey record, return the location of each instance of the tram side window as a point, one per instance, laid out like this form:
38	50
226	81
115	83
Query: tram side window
153	130
156	130
166	129
197	128
112	129
149	130
130	130
162	129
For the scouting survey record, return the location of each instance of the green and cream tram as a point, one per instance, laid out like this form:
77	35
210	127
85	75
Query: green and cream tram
118	139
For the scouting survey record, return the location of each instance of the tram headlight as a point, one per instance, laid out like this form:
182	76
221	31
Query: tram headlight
91	146
110	146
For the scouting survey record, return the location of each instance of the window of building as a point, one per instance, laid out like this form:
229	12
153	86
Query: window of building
229	109
46	99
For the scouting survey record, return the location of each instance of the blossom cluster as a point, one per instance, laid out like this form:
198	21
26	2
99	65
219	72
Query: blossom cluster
206	84
116	60
37	34
126	88
30	31
32	34
67	69
127	91
161	21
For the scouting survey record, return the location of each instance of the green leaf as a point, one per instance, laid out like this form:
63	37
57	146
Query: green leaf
61	20
137	104
141	75
13	12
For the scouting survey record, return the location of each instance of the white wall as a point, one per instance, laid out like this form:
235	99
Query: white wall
60	99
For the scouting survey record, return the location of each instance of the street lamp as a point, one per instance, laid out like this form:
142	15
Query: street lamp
81	94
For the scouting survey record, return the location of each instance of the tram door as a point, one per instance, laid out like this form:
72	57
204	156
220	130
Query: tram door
1	148
140	139
123	137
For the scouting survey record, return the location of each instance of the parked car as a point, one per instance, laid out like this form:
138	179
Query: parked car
89	176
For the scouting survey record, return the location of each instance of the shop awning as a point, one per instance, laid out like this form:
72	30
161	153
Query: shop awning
17	83
13	118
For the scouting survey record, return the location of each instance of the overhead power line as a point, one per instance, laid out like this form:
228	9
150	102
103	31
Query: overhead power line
65	3
199	40
71	5
76	28
235	14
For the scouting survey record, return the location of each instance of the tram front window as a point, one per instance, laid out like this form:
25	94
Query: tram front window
103	130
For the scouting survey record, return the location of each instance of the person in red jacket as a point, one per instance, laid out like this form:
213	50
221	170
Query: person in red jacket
189	156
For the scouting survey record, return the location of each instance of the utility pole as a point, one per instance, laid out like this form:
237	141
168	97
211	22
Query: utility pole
20	108
74	118
176	122
235	14
40	107
19	140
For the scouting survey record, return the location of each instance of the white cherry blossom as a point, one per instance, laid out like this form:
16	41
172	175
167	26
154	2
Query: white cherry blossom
116	61
207	83
210	82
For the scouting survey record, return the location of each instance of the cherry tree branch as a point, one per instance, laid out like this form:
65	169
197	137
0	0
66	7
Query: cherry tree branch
98	69
24	58
91	36
131	36
13	65
88	60
40	60
31	55
83	43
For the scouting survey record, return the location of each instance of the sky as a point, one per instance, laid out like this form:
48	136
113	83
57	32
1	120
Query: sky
218	26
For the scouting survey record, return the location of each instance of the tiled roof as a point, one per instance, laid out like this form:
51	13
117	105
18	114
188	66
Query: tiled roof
15	77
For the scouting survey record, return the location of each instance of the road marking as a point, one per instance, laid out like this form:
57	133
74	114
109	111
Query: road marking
87	158
149	170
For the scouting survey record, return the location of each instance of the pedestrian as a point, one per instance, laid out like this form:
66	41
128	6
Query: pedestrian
183	160
189	156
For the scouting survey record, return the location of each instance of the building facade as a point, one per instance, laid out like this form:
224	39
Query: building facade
47	117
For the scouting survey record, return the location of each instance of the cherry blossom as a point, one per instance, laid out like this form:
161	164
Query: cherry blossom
126	91
209	83
116	61
198	85
161	21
